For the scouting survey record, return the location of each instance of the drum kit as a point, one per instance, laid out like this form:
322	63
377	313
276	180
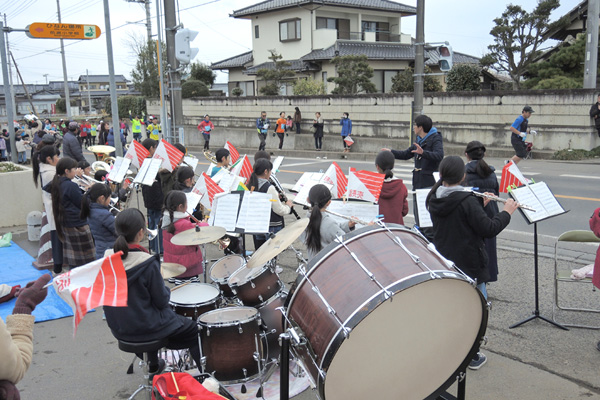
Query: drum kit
377	312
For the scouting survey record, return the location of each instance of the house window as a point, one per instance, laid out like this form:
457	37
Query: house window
324	76
381	29
256	32
383	80
289	30
342	26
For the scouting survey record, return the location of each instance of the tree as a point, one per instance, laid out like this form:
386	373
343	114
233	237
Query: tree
237	92
60	105
308	87
145	75
134	104
202	73
275	76
463	77
404	81
353	75
194	88
517	38
562	70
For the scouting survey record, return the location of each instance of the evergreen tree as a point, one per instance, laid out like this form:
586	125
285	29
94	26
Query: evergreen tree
145	75
404	81
463	77
203	73
353	75
194	88
274	77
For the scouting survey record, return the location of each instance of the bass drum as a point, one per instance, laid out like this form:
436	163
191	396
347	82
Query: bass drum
358	339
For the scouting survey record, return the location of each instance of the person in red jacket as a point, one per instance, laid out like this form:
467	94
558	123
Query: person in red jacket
205	127
393	200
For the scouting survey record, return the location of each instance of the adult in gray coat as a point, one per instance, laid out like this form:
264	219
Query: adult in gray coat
71	146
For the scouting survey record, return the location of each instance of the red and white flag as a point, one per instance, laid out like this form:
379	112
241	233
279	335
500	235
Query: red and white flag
207	188
511	177
169	155
99	283
336	177
232	151
137	153
243	168
364	185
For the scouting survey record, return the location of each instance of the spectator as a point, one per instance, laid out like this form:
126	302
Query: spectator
318	125
595	114
297	119
346	124
71	146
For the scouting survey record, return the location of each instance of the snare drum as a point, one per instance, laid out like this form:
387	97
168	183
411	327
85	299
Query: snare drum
229	341
194	299
253	286
359	339
273	320
222	269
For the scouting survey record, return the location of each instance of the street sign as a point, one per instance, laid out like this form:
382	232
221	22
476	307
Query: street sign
47	30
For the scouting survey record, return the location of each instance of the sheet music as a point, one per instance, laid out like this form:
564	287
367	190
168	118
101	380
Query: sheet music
277	163
191	161
219	175
147	173
359	209
255	212
225	211
192	201
210	168
424	217
539	197
307	177
302	196
119	170
545	196
231	182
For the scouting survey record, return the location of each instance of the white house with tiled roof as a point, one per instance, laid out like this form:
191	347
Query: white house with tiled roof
309	33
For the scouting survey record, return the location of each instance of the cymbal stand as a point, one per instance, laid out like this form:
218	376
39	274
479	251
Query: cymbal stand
204	262
299	256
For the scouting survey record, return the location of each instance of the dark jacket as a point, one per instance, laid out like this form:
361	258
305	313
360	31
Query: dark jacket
428	162
167	181
459	225
110	138
71	201
595	114
102	225
71	147
318	128
487	184
148	315
153	196
393	202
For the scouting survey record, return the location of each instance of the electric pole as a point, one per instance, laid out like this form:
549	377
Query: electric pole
114	107
173	68
8	99
64	65
148	20
419	64
12	89
591	45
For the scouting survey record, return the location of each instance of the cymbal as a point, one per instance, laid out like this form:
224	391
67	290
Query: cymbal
277	244
102	149
170	270
191	237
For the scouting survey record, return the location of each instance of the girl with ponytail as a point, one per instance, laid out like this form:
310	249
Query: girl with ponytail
95	207
148	315
73	231
393	200
322	229
482	178
176	220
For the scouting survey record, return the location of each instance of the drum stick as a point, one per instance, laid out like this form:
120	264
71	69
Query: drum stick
180	286
175	381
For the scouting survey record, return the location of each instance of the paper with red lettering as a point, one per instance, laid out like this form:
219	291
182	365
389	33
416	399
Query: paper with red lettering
364	185
99	283
232	151
335	176
137	153
208	188
242	168
168	154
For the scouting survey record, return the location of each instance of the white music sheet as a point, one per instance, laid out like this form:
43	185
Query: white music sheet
302	196
255	212
225	211
539	197
230	182
307	177
210	168
359	209
147	173
424	217
191	162
192	201
119	169
277	163
219	175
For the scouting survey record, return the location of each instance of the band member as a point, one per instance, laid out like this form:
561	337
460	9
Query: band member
393	200
95	207
223	160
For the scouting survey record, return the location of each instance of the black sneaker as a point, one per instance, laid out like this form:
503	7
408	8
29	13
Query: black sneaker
478	361
159	369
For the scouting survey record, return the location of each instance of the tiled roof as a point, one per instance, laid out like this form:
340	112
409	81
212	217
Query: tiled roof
270	5
100	78
236	61
296	65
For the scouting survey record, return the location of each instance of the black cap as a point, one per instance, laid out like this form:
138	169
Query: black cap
528	109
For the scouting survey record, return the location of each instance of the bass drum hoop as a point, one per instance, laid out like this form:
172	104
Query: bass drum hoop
371	304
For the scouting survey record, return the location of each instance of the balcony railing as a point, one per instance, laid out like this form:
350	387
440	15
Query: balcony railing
377	36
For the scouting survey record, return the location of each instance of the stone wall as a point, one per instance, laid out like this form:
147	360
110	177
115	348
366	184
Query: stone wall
561	117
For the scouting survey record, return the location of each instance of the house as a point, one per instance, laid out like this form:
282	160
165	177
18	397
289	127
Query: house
309	33
98	89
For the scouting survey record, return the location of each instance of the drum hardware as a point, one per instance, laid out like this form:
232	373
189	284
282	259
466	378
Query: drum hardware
386	293
152	233
277	244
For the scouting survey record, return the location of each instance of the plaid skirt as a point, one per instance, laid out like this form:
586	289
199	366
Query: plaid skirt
78	246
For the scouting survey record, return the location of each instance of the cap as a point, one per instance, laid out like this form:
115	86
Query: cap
73	125
528	109
48	138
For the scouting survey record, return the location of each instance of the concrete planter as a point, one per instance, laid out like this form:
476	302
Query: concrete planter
19	197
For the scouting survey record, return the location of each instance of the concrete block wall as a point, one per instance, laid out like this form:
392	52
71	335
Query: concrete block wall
561	118
20	197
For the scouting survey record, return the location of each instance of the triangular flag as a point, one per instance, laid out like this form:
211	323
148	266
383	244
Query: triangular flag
364	185
242	168
137	153
102	282
511	175
232	151
335	176
208	188
169	155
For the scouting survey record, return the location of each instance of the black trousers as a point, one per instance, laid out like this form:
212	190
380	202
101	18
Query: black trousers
280	136
184	338
263	141
318	142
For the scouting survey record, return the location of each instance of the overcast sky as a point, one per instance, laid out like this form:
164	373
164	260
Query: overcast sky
464	23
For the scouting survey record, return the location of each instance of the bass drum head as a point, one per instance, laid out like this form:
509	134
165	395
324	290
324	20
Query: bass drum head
410	347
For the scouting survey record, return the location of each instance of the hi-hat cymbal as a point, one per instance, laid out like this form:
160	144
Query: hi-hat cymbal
272	247
191	237
171	270
102	149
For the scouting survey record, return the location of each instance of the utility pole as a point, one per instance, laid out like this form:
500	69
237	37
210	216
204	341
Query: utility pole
23	83
87	79
173	68
64	65
161	80
9	100
12	89
113	86
148	20
419	65
591	45
46	76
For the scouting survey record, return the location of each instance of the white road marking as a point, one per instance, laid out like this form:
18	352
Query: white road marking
580	176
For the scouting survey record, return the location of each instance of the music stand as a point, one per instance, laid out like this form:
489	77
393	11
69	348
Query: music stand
539	197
